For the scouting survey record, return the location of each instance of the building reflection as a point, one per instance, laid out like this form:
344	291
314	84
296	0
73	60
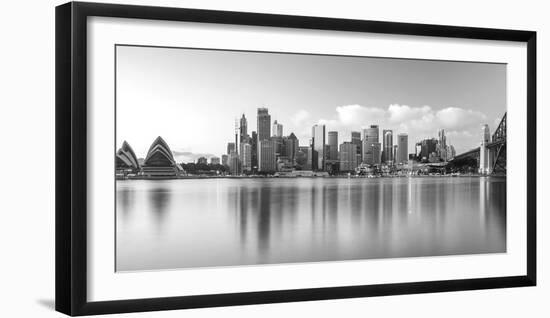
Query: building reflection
159	199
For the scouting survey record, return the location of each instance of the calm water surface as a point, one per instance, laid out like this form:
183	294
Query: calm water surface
168	224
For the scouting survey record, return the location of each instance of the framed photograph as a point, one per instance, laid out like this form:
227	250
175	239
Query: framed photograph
213	158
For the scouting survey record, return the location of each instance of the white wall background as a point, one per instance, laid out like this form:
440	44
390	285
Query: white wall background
27	130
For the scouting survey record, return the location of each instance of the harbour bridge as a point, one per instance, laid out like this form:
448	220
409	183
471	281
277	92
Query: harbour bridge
488	158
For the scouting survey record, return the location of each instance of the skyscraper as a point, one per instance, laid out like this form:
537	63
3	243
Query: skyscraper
277	129
264	124
267	159
370	137
243	129
376	153
230	147
245	155
290	147
356	139
387	144
348	156
234	163
427	147
442	145
333	146
402	148
318	147
254	149
304	158
225	160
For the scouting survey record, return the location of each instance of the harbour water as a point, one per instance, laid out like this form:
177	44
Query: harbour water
170	224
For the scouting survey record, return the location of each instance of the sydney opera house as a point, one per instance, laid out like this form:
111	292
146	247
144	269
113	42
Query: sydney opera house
159	162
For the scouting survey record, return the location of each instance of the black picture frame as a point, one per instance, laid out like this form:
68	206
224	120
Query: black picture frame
71	157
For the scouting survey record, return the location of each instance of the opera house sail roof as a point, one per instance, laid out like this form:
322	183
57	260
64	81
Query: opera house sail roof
159	161
159	154
126	158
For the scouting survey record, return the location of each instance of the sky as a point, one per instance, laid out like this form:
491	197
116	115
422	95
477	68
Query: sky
192	97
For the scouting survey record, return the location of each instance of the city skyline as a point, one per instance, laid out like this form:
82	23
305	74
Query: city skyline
299	94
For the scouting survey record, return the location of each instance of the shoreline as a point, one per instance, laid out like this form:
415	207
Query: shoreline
305	177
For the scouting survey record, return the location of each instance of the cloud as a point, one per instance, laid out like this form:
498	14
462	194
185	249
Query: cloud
402	113
453	118
461	125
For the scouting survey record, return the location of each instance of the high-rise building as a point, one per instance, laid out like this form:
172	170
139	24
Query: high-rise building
442	145
376	148
254	147
245	156
318	147
333	146
371	133
356	139
214	160
243	129
387	145
231	147
267	159
264	124
277	129
348	156
290	147
370	137
225	160
304	158
402	148
427	148
234	163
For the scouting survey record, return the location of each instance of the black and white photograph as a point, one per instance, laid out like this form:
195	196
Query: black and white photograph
241	158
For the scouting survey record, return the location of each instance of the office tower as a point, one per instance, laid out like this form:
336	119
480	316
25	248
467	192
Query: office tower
376	148
202	161
442	145
333	146
428	147
318	147
277	129
348	156
243	129
230	147
402	148
245	156
225	160
304	157
234	163
214	160
264	124
394	154
371	133
356	139
387	145
290	147
484	167
267	159
254	149
370	137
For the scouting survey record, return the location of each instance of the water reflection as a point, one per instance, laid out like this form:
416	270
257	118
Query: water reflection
213	222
